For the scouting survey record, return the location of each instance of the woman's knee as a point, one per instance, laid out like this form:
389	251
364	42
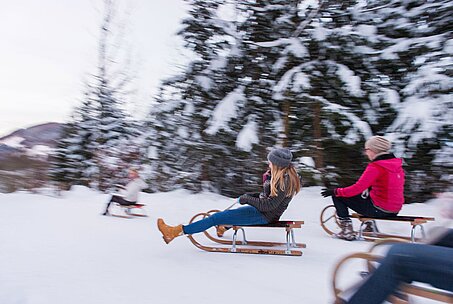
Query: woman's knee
217	217
399	249
399	253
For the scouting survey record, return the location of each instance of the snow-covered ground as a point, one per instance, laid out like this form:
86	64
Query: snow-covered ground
60	250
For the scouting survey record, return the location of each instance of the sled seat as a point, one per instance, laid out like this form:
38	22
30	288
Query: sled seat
279	224
130	206
134	206
289	227
414	221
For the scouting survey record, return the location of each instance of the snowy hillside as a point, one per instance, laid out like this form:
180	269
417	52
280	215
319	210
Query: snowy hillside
40	135
62	251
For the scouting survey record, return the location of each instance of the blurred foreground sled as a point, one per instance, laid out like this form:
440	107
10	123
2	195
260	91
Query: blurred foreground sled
403	293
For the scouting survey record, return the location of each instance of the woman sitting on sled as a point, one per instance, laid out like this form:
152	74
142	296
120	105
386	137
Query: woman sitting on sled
261	208
129	193
377	193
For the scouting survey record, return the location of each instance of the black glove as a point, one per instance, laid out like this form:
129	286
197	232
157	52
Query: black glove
327	192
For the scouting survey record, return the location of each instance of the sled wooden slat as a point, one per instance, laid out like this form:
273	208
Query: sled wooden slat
279	224
429	293
415	220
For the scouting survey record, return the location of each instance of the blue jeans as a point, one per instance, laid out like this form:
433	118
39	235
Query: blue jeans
406	263
246	215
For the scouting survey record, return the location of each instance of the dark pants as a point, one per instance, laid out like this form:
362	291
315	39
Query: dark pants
363	206
407	263
119	200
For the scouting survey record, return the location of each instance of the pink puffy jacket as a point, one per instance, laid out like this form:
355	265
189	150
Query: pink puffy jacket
386	179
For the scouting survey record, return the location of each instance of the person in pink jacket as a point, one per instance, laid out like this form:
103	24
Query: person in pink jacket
379	192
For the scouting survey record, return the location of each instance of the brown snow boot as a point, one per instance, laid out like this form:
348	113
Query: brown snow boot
221	230
168	232
347	232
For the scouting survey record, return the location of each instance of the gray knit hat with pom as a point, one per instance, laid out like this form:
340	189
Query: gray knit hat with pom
281	157
378	144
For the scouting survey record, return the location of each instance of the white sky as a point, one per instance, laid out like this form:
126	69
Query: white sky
48	47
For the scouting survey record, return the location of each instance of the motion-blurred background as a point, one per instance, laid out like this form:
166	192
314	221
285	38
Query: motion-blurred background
199	107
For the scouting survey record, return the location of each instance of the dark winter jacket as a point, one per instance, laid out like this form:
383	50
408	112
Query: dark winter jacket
385	177
272	207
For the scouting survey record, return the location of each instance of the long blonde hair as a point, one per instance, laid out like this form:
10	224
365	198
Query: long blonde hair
278	178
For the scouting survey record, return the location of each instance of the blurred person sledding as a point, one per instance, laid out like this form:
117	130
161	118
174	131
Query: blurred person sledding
127	197
400	271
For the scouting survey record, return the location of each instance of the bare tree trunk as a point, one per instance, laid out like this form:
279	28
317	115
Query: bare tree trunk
286	112
318	153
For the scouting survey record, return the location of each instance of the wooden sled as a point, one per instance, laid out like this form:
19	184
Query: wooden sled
330	224
405	290
128	211
251	247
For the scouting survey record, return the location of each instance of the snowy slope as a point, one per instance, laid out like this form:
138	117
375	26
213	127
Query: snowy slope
61	251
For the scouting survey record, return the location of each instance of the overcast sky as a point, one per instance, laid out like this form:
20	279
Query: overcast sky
48	47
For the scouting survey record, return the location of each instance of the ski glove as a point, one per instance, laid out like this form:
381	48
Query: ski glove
327	192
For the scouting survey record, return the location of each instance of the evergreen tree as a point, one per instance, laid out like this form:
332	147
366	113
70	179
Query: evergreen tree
101	135
318	76
185	103
63	169
421	67
73	161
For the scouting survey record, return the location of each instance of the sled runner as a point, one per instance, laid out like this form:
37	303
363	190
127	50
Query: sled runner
330	223
251	247
128	211
405	289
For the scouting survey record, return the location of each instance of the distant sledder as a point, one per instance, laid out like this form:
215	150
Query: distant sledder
262	210
126	199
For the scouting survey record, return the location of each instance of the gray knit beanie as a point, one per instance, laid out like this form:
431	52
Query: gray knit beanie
378	144
280	157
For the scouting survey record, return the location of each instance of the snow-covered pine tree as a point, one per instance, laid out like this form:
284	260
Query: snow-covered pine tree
399	51
178	120
224	99
101	134
266	61
109	90
73	161
63	170
311	75
260	119
419	63
327	86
